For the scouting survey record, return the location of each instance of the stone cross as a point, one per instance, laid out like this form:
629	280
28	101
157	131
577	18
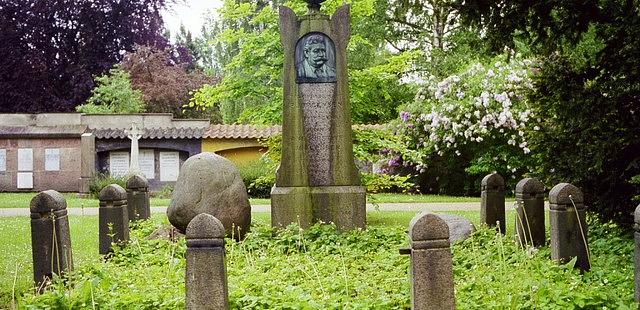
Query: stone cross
530	227
317	179
205	271
138	198
134	134
431	263
50	239
113	217
492	201
568	227
636	234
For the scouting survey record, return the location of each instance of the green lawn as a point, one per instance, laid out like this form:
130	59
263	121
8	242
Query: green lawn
21	200
15	242
319	269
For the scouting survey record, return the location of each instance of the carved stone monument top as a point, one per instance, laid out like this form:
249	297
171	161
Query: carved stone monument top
314	5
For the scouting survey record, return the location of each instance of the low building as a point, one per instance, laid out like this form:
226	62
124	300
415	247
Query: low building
238	143
40	157
64	151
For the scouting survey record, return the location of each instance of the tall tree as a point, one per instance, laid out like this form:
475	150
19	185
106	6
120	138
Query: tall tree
52	49
433	28
589	96
165	81
251	57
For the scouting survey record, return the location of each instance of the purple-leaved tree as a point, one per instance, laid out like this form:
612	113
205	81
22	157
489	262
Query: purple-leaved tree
51	49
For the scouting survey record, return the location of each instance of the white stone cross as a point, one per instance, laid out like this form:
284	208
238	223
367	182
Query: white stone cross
135	133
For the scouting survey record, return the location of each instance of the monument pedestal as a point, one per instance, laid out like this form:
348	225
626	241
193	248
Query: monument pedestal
342	205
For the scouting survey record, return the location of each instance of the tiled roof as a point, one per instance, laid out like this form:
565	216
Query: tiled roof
242	131
152	133
42	131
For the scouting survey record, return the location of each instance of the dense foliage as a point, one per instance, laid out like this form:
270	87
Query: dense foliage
113	94
247	43
588	94
51	50
321	269
102	180
470	124
166	81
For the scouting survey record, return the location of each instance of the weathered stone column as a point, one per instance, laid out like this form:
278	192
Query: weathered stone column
138	198
568	226
50	239
206	273
87	161
492	201
317	179
431	263
113	217
530	227
636	254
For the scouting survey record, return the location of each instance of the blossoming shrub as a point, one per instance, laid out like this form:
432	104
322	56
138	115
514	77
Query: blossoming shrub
471	124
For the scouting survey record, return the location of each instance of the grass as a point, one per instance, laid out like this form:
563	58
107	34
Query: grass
22	200
319	269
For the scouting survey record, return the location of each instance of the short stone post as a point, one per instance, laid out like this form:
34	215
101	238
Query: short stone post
568	226
50	239
113	217
431	263
492	201
530	228
206	273
138	198
636	255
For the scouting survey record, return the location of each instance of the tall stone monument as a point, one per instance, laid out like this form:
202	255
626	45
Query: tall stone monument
317	179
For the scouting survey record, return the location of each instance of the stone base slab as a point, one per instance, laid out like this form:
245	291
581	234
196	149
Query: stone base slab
342	205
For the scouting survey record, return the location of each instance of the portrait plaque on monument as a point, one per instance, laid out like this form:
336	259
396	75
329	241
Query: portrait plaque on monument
315	59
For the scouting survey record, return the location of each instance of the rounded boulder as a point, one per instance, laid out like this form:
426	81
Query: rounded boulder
211	184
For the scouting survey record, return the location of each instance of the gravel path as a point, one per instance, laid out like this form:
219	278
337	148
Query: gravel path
414	207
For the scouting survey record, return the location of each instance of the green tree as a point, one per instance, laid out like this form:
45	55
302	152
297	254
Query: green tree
588	98
113	94
185	38
252	58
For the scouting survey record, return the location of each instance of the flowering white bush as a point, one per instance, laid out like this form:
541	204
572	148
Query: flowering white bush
480	116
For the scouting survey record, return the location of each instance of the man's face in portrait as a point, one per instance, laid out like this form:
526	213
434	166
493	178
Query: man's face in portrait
316	54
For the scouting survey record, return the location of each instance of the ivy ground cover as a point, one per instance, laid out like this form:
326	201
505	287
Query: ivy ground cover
320	269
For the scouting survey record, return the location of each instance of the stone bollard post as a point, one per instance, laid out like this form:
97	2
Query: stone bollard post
636	234
50	239
431	263
492	203
112	212
568	226
530	227
206	273
138	198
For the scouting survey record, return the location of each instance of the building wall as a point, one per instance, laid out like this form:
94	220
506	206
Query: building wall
185	148
64	180
239	151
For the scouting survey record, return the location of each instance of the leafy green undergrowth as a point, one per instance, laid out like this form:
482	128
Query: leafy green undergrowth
321	269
